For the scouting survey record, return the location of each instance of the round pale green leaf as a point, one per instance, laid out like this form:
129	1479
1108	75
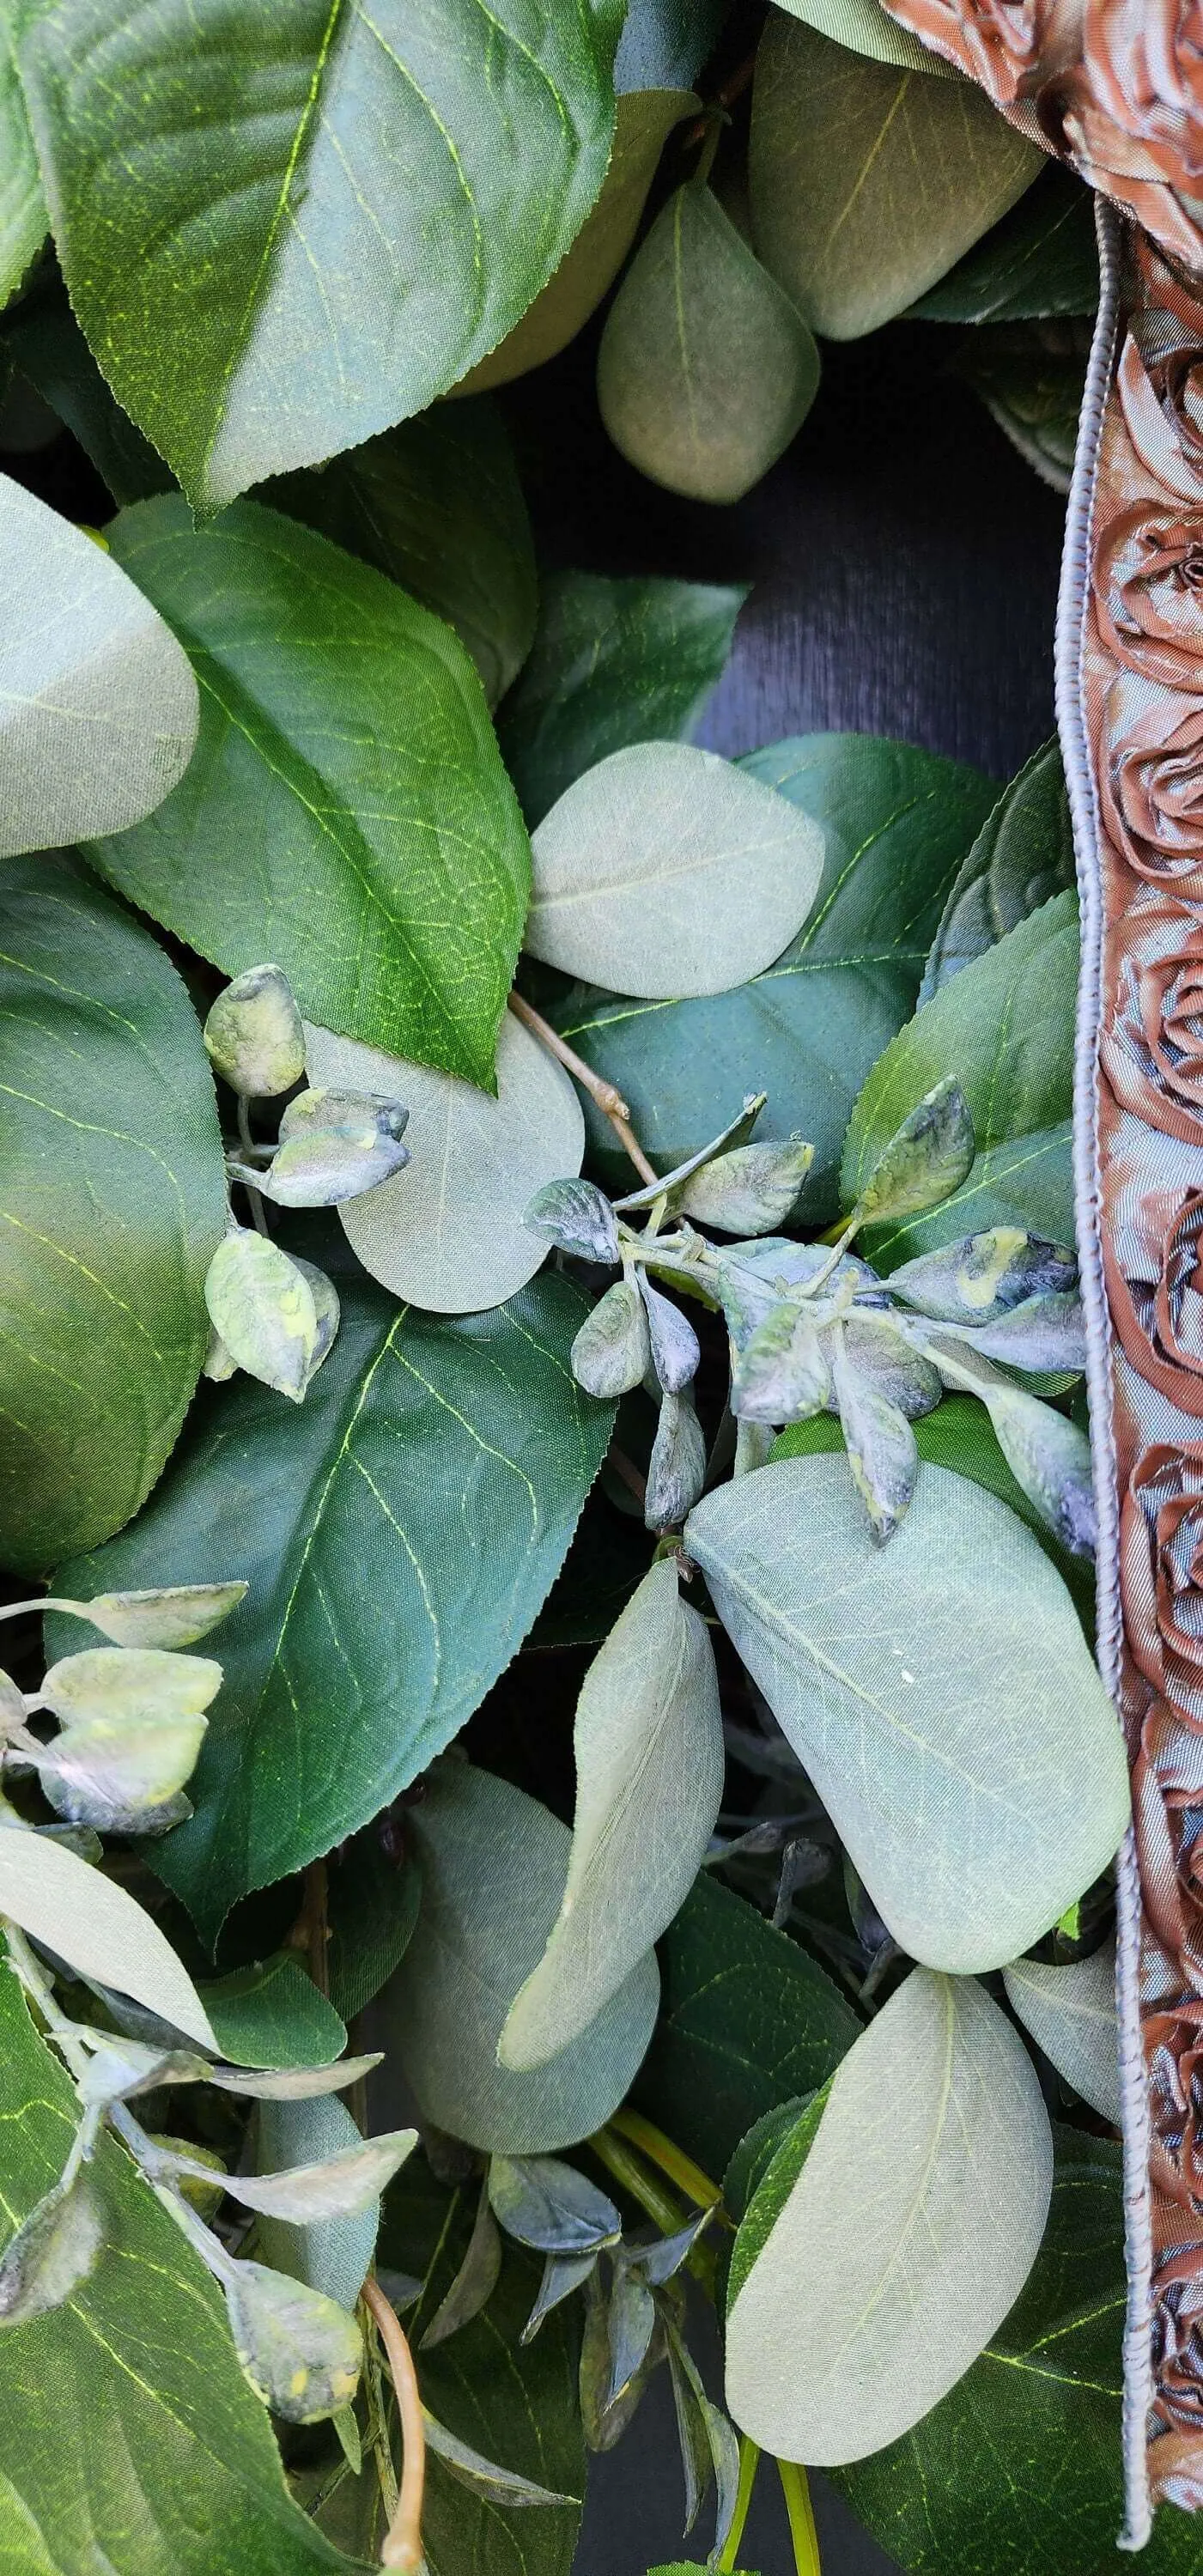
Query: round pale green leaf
448	1231
867	180
970	1760
866	28
649	1783
98	705
494	1868
120	1776
344	735
299	2349
284	230
705	369
1070	2013
112	1204
173	1616
91	1923
142	1684
909	2233
666	870
645	119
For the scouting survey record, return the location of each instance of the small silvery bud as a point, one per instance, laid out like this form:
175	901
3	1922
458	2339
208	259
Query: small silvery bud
781	1374
674	1343
578	1218
334	1145
262	1305
218	1363
677	1467
880	1442
254	1034
300	2351
612	1349
51	2253
983	1276
926	1159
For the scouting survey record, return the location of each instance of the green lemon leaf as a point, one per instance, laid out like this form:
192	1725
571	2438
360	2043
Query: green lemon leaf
869	181
437	505
98	704
973	1768
909	2233
448	1231
1023	855
113	1203
649	1782
643	123
271	2014
23	219
351	724
666	869
245	210
1070	2013
614	661
1041	259
435	1466
748	2020
897	824
46	343
154	2429
706	370
494	1865
1004	1028
1032	390
373	1907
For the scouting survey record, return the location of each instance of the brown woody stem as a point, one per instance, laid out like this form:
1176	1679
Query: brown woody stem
403	2539
609	1101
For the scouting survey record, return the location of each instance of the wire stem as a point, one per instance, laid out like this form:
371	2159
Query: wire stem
403	2539
749	2462
795	2487
608	1100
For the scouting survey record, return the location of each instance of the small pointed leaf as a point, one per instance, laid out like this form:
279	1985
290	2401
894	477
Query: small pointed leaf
549	2205
262	1306
631	2322
980	1278
562	2274
301	2352
173	1615
673	1185
496	2485
674	1343
475	2281
1044	1333
1070	2013
751	1191
341	2187
612	1351
926	1159
51	2253
677	1466
880	1442
91	1923
578	1217
782	1373
1048	1455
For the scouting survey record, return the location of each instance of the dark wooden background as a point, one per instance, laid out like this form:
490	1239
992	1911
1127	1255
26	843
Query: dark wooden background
904	562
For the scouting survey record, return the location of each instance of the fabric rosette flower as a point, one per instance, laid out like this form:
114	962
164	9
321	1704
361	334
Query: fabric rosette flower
1160	379
1161	1561
1148	592
1151	782
1152	1044
1144	59
1151	1252
1000	43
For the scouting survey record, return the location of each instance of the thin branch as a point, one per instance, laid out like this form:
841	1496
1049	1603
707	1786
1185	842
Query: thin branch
749	2462
795	2488
608	1100
671	2158
403	2539
732	88
629	1472
258	1212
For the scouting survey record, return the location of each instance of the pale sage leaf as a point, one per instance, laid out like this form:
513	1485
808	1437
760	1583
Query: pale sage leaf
880	1443
882	1353
141	1684
782	1373
1070	2013
496	2485
262	1306
750	1191
980	1279
121	1775
577	1217
1045	1333
546	2204
51	2253
649	1781
343	2186
676	1469
475	2281
313	1171
175	1614
631	2323
612	1351
1047	1454
254	1036
926	1159
907	2236
448	1233
665	870
292	2083
671	1186
971	1762
97	1928
301	2352
674	1344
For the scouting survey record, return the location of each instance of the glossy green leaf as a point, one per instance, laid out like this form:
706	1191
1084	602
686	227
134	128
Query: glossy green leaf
972	1766
666	43
1070	2013
909	2233
287	303
1023	855
449	1231
649	1781
92	1923
747	2021
1031	377
98	704
494	1865
896	823
440	1465
437	505
667	869
868	181
1042	258
271	2014
705	370
372	1902
761	2176
331	2250
113	1204
614	661
1004	1027
351	726
644	120
23	218
152	2428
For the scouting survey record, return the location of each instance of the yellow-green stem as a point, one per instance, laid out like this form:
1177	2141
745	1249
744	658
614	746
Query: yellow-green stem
795	2487
629	2169
672	2160
749	2462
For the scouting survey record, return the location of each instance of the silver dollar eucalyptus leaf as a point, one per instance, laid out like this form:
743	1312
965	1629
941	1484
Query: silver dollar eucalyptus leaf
883	1355
51	2253
648	1741
263	1307
175	1615
926	1159
550	2206
880	1442
562	2274
677	1467
254	1035
612	1351
673	1185
1047	1455
1044	1333
577	1217
750	1191
1070	2013
341	2187
475	2281
301	2353
675	1350
983	1276
494	2485
140	1684
781	1374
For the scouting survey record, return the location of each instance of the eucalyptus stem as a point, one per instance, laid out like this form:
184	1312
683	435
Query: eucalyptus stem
403	2540
671	2158
247	1141
38	1987
749	2462
631	2172
795	2487
607	1099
